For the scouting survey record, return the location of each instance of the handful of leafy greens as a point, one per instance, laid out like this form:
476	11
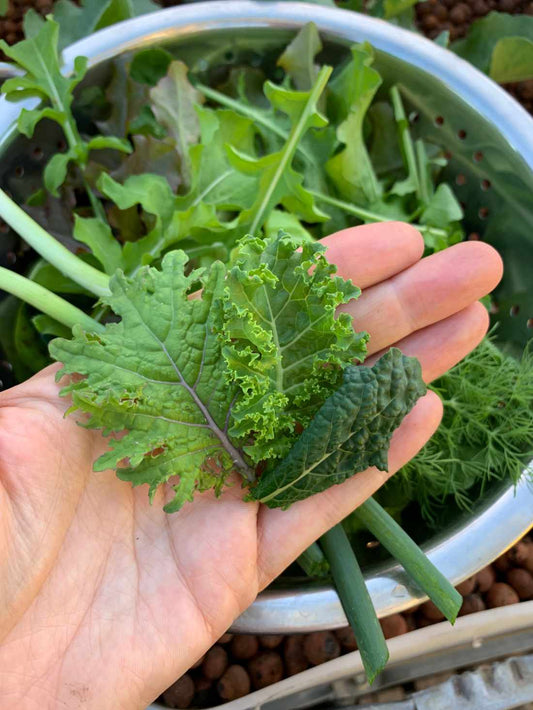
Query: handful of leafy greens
208	385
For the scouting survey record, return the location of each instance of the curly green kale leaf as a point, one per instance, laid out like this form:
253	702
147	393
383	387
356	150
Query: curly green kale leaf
350	432
159	375
285	345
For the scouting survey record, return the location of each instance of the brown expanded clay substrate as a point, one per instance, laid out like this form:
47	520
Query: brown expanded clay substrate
239	664
432	18
456	16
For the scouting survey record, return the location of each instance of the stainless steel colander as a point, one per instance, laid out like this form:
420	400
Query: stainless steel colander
489	141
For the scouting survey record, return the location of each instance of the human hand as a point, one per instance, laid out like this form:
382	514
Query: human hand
106	600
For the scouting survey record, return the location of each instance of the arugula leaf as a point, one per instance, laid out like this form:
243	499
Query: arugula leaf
484	35
442	208
298	59
277	181
150	65
38	57
213	179
153	194
512	60
284	343
351	93
98	237
173	103
350	432
158	374
80	20
314	147
150	156
286	222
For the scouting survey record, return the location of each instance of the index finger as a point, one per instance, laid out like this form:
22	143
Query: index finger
371	253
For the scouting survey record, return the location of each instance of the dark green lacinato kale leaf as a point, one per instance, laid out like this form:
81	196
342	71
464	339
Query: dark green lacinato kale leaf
159	375
284	343
349	433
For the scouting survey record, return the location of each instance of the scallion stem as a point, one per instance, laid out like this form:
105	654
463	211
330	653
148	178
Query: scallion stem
410	556
46	301
355	600
313	562
50	249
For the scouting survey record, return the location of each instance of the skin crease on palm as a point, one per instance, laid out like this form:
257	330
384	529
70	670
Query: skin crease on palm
106	600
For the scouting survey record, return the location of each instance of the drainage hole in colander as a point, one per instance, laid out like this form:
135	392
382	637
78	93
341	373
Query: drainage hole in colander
478	156
461	134
4	229
529	323
483	212
460	179
19	171
37	153
473	237
439	120
61	146
10	258
485	185
514	310
229	56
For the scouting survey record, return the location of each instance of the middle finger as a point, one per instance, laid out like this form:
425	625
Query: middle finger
425	293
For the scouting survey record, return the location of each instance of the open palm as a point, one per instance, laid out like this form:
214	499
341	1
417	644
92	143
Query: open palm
106	600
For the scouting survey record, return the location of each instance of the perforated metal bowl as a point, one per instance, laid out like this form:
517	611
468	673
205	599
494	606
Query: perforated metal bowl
489	139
